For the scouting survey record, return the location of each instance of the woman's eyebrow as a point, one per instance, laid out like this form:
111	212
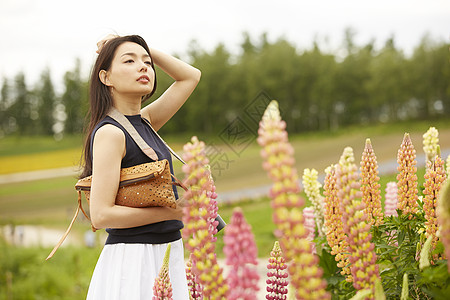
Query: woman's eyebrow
134	54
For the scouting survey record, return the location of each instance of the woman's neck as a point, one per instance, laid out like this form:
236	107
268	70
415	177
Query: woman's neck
127	105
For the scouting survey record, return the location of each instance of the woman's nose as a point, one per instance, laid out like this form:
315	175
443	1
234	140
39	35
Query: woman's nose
144	67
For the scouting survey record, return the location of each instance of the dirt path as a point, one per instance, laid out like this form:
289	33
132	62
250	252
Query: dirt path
35	175
31	235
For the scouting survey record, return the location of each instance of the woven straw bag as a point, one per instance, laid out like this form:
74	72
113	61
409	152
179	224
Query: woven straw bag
144	185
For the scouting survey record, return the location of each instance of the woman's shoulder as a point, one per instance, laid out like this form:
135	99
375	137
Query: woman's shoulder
109	131
110	124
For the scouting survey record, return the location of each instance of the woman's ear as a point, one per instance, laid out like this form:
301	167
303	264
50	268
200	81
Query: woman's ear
103	75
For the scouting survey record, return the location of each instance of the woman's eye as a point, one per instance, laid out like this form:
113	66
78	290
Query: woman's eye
129	61
148	63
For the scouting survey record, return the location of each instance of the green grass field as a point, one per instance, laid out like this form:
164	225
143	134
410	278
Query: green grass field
51	202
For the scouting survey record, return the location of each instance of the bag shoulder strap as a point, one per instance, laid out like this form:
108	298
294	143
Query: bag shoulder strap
122	120
79	207
167	145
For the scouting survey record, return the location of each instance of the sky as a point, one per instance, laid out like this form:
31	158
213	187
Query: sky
36	34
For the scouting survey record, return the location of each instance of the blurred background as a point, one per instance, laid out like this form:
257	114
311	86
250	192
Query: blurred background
342	71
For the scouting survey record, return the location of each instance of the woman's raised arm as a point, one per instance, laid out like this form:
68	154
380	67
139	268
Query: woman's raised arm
186	79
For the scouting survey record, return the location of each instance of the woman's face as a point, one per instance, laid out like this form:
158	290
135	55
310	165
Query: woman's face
131	73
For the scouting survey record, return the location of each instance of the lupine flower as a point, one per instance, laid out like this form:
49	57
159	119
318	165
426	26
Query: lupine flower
277	275
405	288
362	256
333	220
390	206
434	178
443	214
162	289
346	162
286	203
379	291
212	208
407	178
241	253
370	188
424	260
448	165
312	186
390	202
310	225
195	288
198	217
362	295
430	143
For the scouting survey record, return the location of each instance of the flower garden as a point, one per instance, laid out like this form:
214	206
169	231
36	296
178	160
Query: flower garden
344	246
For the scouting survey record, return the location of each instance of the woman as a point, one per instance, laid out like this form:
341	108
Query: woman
123	76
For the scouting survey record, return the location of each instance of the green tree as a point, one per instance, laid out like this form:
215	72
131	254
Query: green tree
429	73
205	111
74	96
20	109
352	77
46	103
4	105
322	69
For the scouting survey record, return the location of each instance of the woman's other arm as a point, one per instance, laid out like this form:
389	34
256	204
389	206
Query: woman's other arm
108	150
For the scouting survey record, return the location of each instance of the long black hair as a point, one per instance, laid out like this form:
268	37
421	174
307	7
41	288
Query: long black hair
100	99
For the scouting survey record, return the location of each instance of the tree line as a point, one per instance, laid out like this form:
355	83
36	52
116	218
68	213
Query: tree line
316	90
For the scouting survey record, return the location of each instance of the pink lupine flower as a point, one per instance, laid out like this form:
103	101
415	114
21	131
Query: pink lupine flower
310	225
333	220
434	178
362	257
241	253
390	207
443	217
407	178
286	203
390	202
199	214
370	188
195	288
162	289
277	275
312	186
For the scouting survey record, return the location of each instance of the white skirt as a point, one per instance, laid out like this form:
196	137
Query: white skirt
128	272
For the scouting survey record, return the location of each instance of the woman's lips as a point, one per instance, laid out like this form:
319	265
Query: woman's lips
143	79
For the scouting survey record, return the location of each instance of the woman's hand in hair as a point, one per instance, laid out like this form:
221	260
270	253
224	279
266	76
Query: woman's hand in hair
103	41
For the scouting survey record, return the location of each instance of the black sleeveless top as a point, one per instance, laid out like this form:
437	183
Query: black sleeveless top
156	233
